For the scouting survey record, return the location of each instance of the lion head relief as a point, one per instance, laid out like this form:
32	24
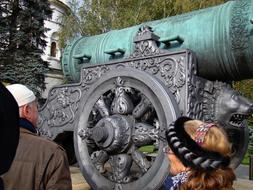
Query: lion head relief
230	110
225	105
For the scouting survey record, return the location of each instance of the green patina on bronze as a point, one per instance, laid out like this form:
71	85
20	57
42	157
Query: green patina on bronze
221	37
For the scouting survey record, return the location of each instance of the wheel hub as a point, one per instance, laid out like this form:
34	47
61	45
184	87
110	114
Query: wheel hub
113	133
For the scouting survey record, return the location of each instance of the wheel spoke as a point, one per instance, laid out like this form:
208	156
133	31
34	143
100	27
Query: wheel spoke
102	107
142	107
141	160
120	165
99	158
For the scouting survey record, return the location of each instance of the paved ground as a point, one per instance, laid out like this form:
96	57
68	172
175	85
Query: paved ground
78	182
242	172
242	182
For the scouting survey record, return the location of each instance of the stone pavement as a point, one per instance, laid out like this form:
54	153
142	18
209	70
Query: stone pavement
78	182
243	184
242	171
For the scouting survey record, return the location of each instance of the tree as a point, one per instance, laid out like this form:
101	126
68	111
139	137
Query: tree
22	39
246	87
71	24
93	17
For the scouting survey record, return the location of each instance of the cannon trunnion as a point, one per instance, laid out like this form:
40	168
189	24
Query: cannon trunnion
119	108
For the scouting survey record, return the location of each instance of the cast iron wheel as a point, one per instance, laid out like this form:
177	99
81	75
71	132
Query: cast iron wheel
122	113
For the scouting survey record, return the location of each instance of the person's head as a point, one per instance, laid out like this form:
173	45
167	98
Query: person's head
215	139
204	150
26	101
197	145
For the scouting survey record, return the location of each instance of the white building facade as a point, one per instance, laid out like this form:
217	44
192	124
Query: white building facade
52	53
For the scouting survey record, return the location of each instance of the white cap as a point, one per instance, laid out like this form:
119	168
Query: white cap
21	93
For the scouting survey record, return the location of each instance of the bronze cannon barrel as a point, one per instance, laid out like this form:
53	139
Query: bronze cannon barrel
221	37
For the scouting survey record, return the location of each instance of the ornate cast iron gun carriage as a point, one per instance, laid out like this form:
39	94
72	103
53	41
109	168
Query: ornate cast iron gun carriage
134	82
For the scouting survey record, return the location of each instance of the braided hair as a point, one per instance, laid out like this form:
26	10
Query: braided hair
208	161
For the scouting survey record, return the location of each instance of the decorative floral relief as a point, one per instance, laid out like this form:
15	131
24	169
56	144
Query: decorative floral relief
145	48
239	22
145	43
60	108
122	103
146	64
195	96
173	71
90	75
117	187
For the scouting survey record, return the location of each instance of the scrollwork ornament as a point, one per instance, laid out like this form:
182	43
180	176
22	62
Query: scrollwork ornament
117	187
120	164
64	108
141	108
102	107
151	65
59	110
145	48
173	73
122	103
98	159
145	43
91	75
238	28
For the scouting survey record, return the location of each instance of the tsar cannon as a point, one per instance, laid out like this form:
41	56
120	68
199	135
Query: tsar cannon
130	84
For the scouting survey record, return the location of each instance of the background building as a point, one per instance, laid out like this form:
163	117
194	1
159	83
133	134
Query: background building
52	53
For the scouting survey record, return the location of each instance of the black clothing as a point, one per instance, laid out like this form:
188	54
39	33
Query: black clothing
9	128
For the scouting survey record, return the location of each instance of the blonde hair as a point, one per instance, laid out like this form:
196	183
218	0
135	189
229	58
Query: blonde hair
220	179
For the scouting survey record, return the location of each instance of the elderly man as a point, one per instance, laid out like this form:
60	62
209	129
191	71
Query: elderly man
39	163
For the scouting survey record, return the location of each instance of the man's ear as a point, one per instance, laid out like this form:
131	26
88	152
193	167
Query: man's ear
25	111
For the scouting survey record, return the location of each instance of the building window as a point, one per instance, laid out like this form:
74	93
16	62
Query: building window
53	49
